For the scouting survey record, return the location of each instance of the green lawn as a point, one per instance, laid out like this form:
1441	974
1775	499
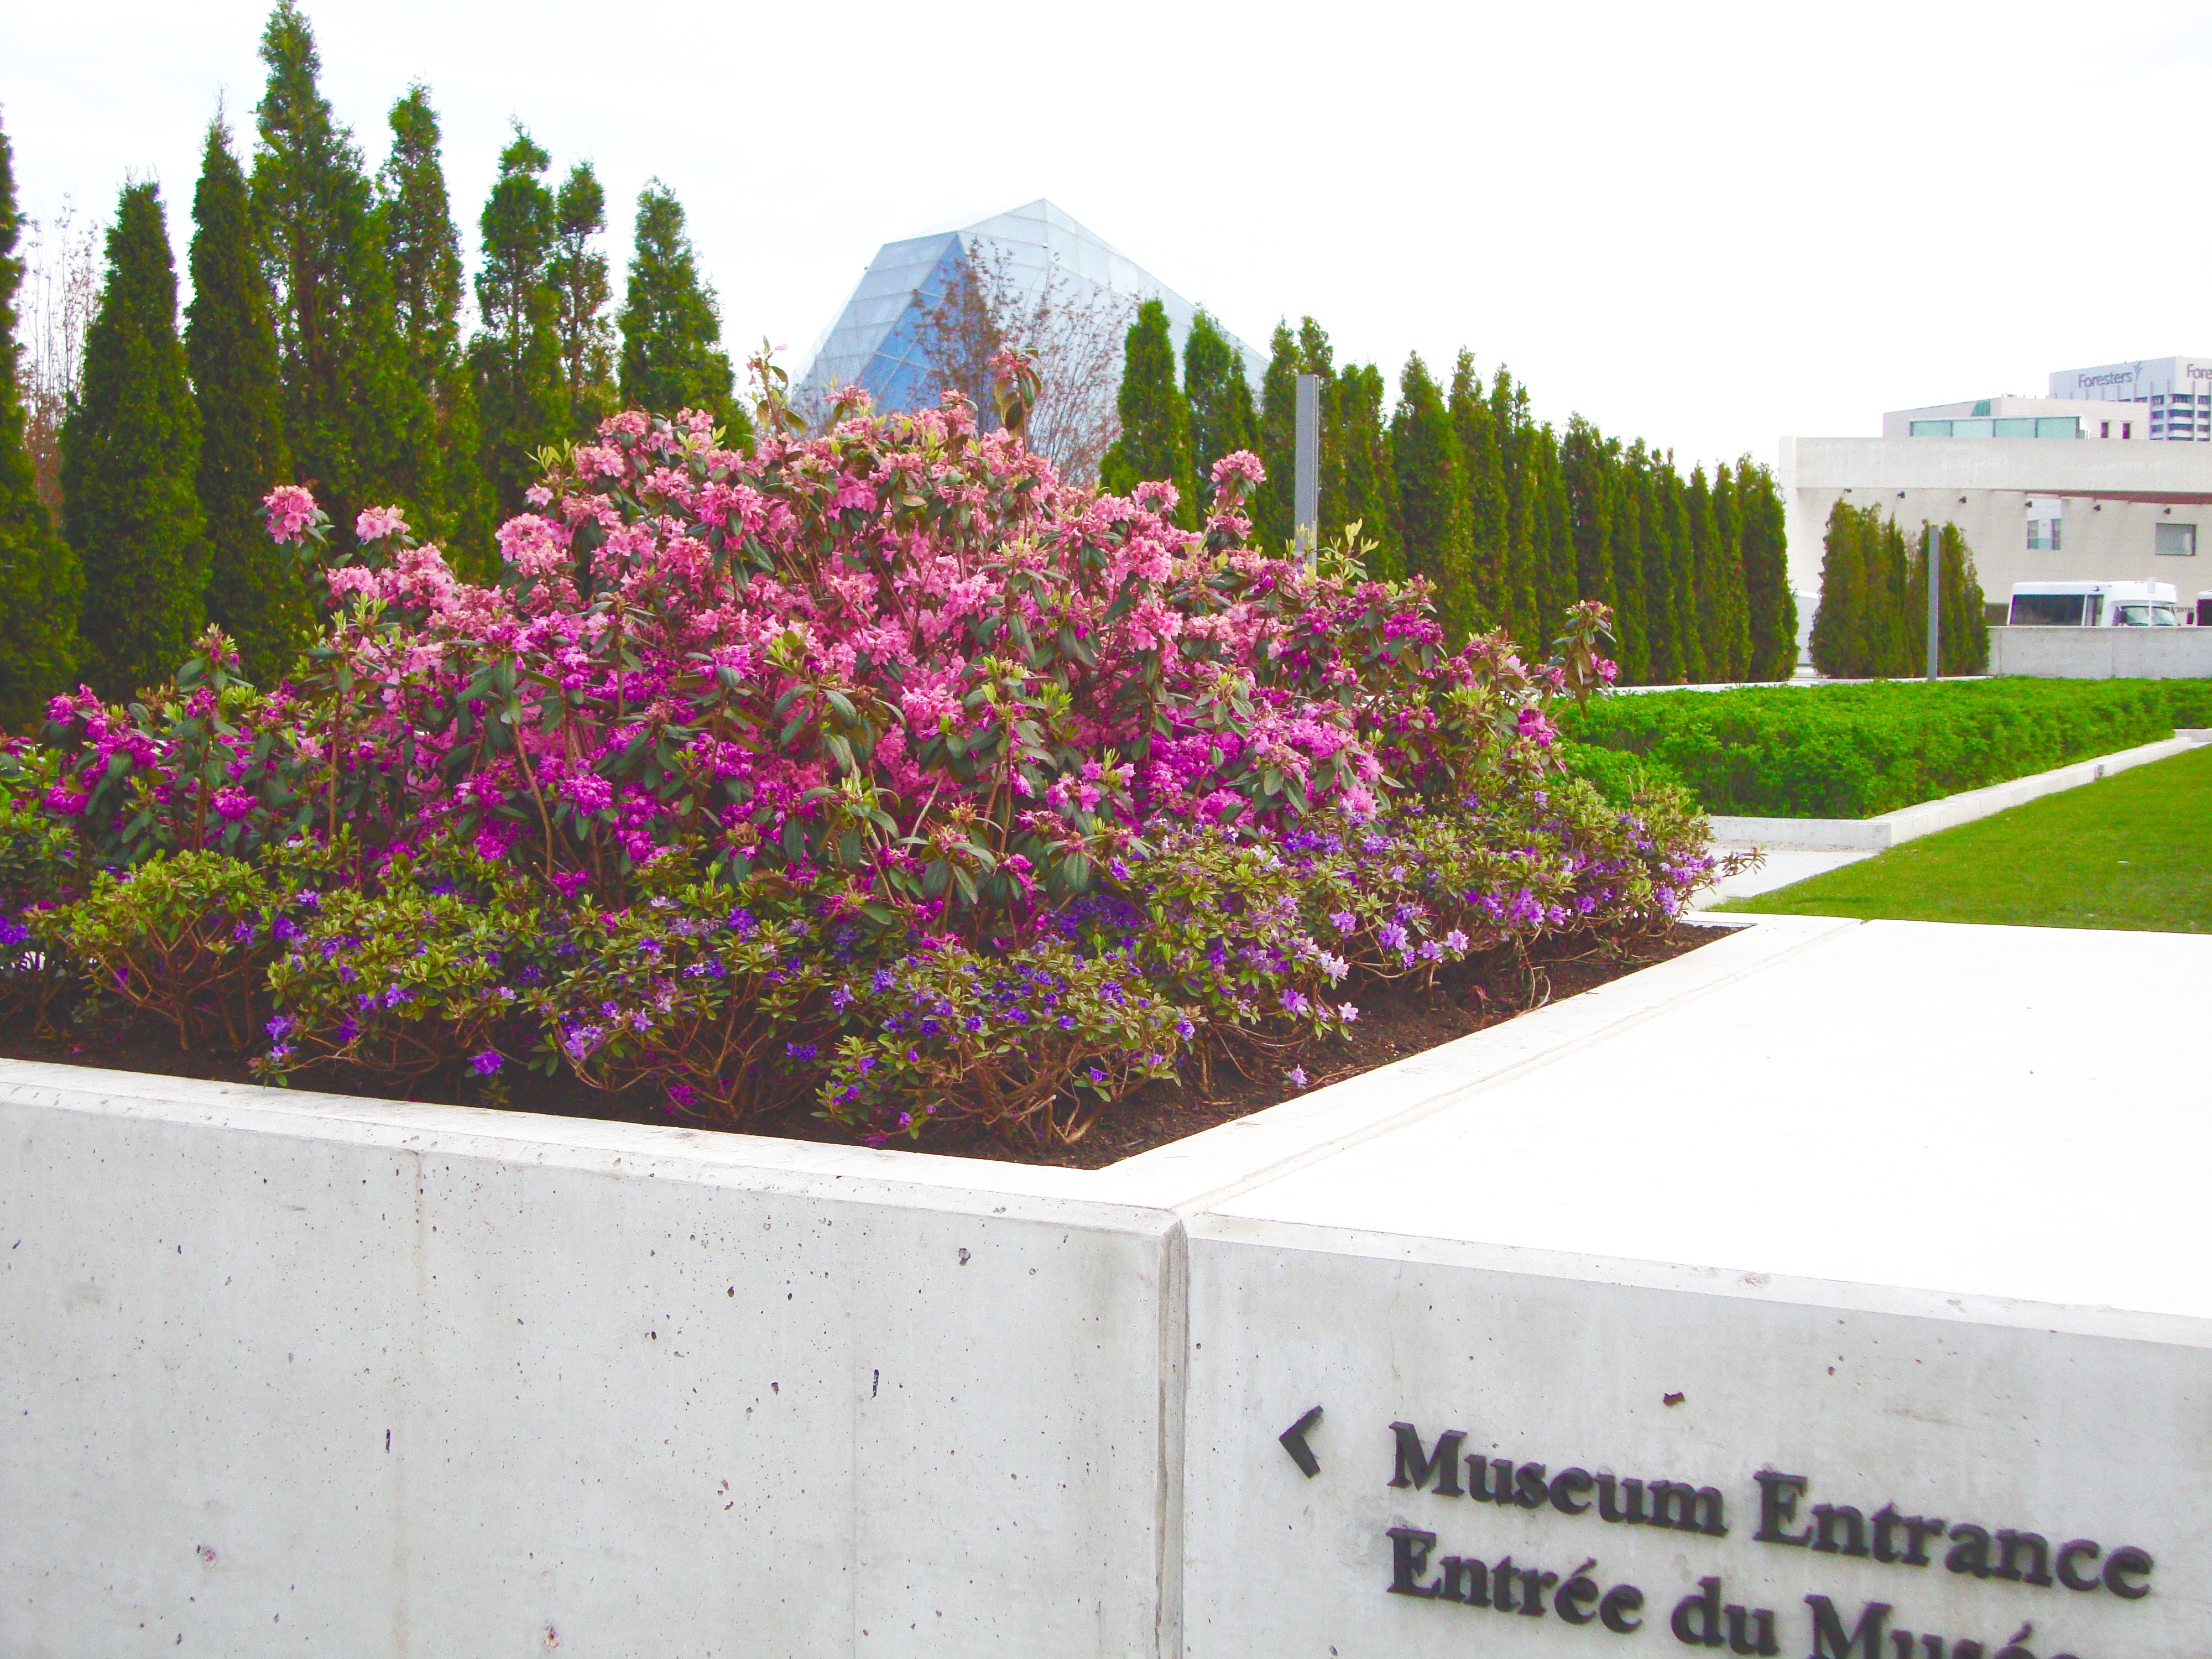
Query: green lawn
2133	851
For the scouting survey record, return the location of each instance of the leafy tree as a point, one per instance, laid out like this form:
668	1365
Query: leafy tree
1631	508
360	429
254	590
42	584
129	454
1551	524
517	356
670	326
1771	607
1432	518
581	291
425	251
1222	418
1727	622
1155	441
1371	483
1861	630
1482	468
1515	429
1274	504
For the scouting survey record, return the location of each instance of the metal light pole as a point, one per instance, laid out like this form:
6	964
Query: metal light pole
1306	499
1934	594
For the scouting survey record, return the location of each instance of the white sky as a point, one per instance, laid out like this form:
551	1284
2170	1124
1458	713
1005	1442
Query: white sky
1706	225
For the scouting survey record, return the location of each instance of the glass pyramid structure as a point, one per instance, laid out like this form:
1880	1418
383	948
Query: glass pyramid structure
877	342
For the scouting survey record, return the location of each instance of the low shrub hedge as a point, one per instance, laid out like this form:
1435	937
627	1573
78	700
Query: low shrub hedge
1854	751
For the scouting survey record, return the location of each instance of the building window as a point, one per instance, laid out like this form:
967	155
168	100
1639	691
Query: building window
2127	428
2103	429
2178	540
2044	534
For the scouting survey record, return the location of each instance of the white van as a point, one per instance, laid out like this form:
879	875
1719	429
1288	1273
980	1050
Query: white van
2097	605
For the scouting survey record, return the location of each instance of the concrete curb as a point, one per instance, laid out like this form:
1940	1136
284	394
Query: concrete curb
1910	822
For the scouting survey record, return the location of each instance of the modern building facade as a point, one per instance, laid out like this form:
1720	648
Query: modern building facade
2043	489
879	340
2172	395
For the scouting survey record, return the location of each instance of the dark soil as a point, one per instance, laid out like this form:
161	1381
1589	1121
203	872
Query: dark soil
1394	1021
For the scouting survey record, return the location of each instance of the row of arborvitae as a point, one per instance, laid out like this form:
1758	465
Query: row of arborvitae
1872	619
878	768
1513	522
324	342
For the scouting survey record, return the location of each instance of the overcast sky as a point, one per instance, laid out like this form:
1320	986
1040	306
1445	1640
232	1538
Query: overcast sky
1706	225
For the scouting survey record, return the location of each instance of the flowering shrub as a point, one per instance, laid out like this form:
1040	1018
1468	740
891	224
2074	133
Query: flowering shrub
188	938
763	761
433	960
1039	1038
717	993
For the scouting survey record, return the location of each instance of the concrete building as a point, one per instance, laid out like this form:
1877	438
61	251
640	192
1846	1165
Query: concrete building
2045	489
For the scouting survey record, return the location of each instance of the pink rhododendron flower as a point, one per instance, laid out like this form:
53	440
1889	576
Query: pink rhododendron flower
375	523
289	510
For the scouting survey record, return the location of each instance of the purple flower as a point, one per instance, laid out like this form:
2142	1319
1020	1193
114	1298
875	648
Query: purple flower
1456	941
1294	1001
485	1064
231	804
1392	935
284	929
243	932
800	1050
1297	1077
1344	920
1347	1014
281	1025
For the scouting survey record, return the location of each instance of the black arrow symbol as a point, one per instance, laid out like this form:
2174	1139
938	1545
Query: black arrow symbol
1294	1442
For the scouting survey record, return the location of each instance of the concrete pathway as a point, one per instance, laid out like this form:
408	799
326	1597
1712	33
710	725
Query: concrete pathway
1783	866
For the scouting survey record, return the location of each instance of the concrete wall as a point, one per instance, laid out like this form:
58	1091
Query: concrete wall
289	1372
305	1377
2103	653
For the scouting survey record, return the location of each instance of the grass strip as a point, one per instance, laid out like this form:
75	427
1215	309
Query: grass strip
2130	852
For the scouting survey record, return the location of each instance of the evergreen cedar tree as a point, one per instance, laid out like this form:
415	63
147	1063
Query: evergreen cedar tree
356	421
1435	533
424	250
521	400
1156	418
255	591
41	585
1222	418
1872	619
129	453
578	274
1514	521
669	324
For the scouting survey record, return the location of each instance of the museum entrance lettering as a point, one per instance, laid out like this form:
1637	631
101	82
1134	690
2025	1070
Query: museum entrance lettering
2043	1566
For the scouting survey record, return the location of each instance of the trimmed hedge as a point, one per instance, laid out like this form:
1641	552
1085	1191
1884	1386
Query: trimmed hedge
1854	751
